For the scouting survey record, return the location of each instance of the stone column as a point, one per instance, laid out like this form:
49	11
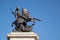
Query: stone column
22	36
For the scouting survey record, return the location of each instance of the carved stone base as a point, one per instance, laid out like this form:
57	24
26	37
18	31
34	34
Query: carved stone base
22	36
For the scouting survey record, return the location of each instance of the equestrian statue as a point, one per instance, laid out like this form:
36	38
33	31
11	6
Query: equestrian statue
21	20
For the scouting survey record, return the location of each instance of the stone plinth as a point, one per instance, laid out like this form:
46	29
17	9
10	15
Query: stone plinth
22	36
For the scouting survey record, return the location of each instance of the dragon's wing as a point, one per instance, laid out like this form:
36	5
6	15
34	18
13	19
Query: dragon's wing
25	14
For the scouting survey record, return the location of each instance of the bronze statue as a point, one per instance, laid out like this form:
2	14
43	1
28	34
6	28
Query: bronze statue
21	20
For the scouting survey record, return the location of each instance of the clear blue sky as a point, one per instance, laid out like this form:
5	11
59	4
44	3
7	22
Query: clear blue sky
47	10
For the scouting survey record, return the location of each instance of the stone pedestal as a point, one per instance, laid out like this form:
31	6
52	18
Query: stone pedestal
22	36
